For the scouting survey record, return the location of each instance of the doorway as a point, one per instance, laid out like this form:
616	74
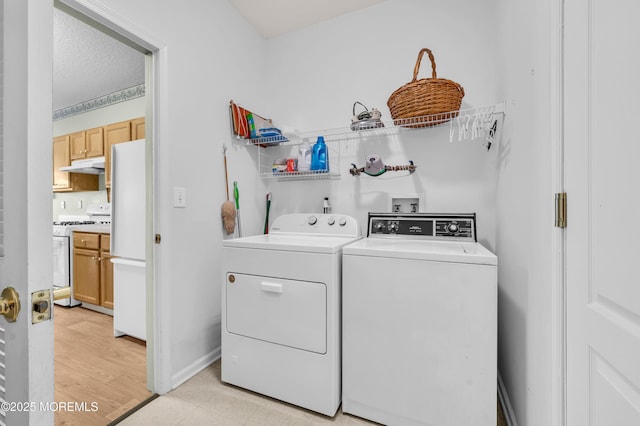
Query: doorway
95	321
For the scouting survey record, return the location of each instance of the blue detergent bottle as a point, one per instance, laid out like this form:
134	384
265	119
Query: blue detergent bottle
320	156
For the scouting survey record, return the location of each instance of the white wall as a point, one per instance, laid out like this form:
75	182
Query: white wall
308	79
212	56
311	80
316	74
525	209
76	202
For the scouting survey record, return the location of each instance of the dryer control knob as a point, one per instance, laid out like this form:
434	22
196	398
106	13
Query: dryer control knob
312	220
342	221
331	220
453	228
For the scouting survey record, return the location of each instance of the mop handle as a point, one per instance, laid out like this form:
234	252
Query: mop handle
226	173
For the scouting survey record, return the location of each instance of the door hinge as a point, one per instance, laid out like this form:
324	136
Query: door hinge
561	210
158	238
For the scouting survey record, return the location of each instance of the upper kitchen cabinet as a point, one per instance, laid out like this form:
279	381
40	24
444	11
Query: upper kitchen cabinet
60	159
65	181
137	129
114	134
87	144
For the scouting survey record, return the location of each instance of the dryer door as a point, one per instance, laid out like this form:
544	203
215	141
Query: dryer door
286	312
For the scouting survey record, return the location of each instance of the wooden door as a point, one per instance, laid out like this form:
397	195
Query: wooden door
61	156
601	177
113	134
77	145
137	129
86	275
94	143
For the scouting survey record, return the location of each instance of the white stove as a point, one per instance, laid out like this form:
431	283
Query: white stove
96	214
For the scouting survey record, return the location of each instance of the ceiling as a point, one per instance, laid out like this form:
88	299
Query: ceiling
88	63
275	17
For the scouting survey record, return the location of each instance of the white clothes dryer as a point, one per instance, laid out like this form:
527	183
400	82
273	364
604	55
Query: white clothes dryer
419	323
281	296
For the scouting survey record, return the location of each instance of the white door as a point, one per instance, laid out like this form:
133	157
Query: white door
602	155
26	356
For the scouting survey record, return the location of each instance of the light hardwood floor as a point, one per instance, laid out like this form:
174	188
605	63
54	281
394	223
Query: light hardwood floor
91	365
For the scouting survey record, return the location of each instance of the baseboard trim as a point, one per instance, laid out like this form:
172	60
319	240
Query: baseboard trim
505	402
97	308
197	366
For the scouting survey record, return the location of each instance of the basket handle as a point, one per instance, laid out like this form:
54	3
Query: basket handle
416	69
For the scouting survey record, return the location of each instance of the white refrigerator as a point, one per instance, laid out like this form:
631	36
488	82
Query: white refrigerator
128	201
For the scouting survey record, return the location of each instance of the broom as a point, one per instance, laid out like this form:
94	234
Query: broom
228	210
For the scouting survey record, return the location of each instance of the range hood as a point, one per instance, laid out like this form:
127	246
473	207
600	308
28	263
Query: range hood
91	166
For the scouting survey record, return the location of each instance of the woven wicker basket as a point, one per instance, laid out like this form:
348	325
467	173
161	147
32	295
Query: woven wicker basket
435	100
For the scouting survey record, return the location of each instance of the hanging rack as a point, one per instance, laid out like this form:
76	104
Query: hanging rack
464	125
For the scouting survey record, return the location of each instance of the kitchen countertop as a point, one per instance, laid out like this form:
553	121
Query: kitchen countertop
100	229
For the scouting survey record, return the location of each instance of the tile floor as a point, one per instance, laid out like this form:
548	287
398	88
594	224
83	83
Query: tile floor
205	400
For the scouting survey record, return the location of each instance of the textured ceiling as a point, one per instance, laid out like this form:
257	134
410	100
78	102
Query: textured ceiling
274	17
88	63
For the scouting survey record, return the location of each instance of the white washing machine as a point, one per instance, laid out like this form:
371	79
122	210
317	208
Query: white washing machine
419	323
281	309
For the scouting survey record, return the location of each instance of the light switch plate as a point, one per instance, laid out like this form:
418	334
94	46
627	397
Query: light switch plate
179	197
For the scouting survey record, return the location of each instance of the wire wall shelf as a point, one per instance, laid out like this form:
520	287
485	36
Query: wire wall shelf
477	124
272	163
311	175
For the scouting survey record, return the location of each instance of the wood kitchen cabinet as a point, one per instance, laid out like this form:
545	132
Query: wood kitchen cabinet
137	129
60	159
92	269
65	181
106	272
87	144
113	134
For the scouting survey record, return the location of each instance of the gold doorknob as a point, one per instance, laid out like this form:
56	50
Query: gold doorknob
9	304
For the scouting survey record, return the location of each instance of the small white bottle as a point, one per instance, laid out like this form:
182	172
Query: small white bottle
326	207
304	157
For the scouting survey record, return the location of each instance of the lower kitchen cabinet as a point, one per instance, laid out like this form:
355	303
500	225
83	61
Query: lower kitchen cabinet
92	269
86	275
106	272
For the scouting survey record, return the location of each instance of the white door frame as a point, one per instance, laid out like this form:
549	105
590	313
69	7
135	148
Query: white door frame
558	279
158	297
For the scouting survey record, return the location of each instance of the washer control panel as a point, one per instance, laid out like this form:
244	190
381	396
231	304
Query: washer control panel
434	226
